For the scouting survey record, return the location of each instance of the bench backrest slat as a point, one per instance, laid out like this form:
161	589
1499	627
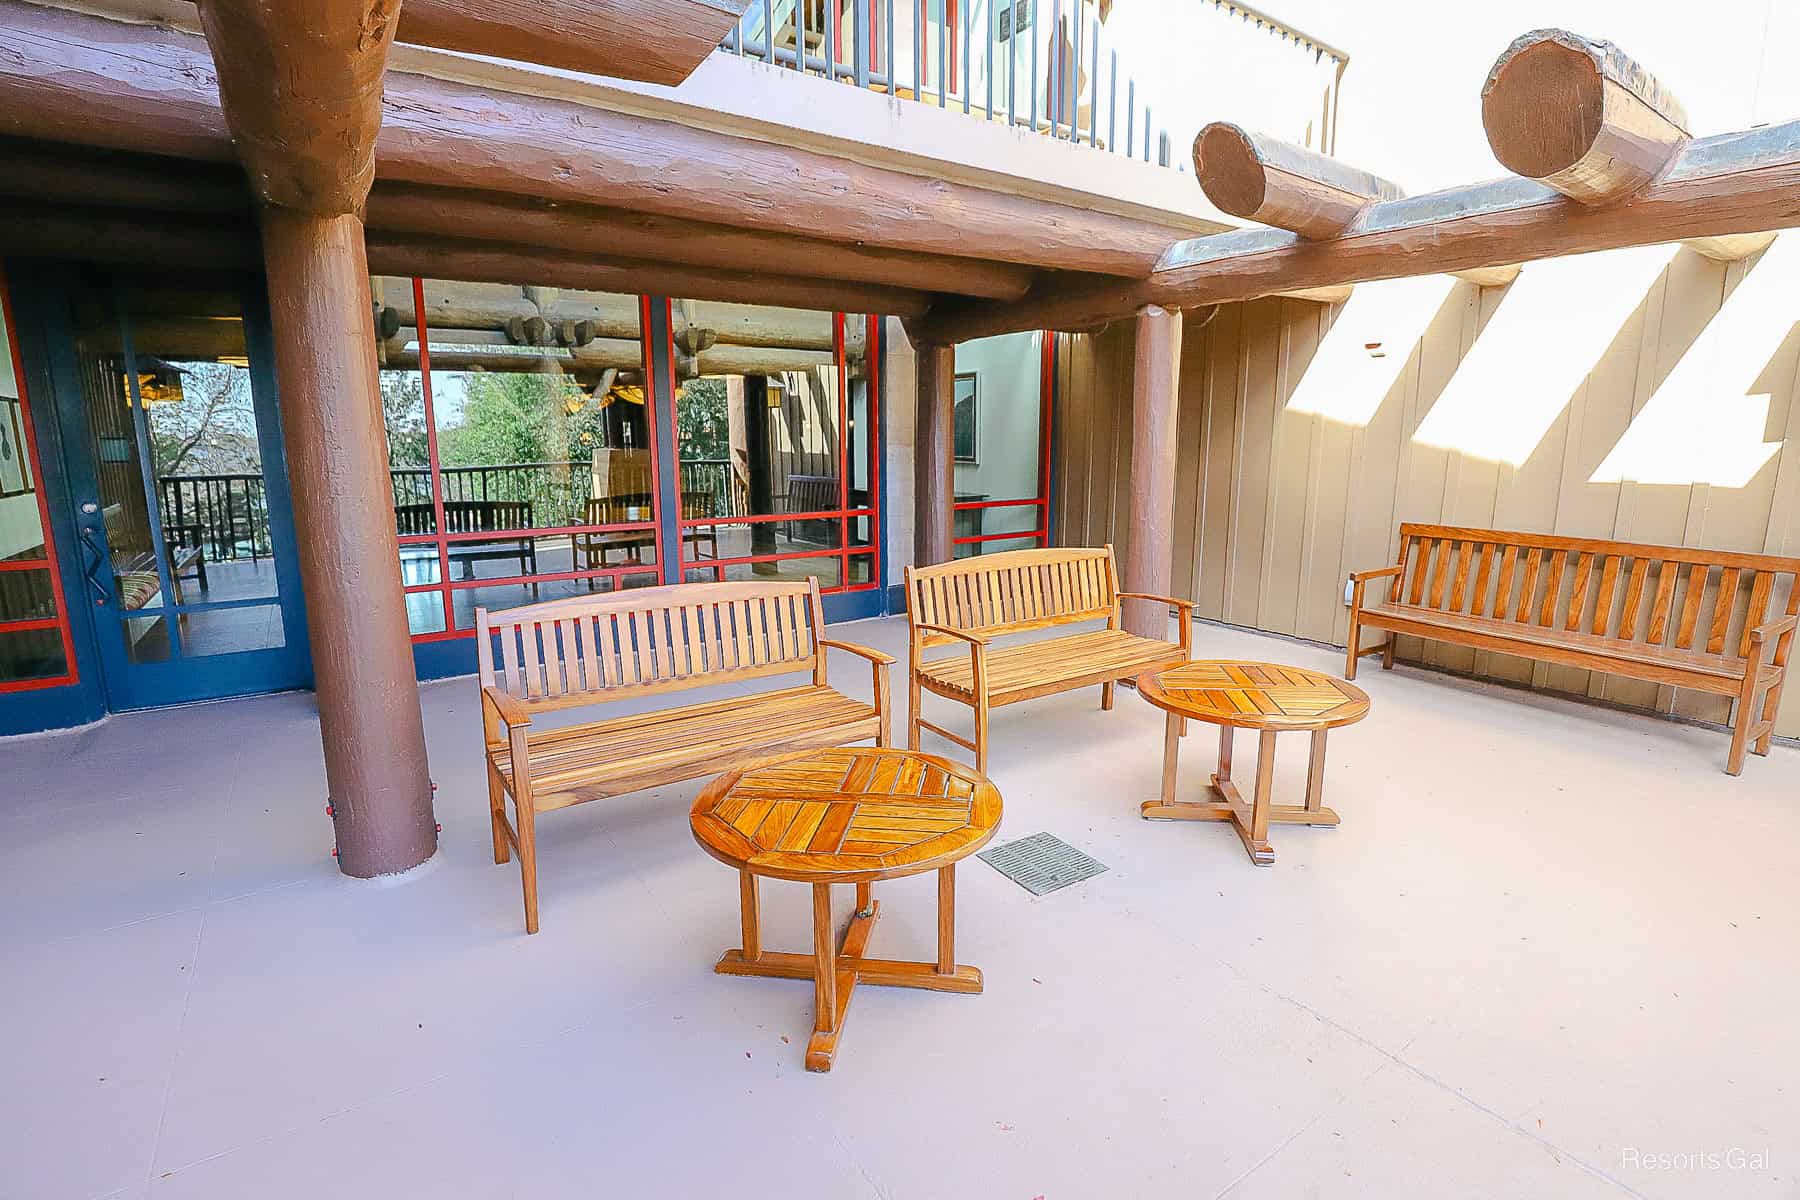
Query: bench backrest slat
1014	591
590	649
1678	597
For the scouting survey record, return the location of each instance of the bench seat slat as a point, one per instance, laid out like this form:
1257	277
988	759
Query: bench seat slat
1711	672
1032	669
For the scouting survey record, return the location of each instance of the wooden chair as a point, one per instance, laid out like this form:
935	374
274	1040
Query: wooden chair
596	548
1624	608
647	642
972	601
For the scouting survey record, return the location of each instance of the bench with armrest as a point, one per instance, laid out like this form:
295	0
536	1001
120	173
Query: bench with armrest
593	650
1673	615
972	601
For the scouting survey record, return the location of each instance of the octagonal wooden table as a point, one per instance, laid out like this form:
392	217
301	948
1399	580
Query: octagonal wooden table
1269	698
846	816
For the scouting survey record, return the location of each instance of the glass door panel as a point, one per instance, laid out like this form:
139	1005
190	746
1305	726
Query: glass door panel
181	499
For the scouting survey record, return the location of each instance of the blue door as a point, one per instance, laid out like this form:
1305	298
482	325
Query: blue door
172	449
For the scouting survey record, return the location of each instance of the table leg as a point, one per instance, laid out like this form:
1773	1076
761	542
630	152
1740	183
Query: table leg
1265	783
1225	743
946	956
751	904
865	899
1171	756
824	959
1315	772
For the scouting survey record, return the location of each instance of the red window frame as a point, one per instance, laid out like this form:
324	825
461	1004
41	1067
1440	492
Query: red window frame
843	514
443	540
60	621
1040	530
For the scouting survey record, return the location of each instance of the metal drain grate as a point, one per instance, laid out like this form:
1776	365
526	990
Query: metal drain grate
1041	863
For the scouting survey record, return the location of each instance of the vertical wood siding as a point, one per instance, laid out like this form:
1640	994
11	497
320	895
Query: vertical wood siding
1274	507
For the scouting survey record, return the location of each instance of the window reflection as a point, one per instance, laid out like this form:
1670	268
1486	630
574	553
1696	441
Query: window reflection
999	443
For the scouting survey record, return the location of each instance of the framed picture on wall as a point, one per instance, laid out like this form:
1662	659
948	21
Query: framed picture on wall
15	477
966	413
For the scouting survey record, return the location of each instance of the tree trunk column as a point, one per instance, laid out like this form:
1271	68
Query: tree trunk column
1155	395
369	717
934	483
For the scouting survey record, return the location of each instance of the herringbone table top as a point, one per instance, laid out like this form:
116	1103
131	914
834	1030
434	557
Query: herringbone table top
846	815
1254	695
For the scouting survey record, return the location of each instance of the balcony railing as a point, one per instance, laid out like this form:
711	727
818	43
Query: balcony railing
230	514
994	59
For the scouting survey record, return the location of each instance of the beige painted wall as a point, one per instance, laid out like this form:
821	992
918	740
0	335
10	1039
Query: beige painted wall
1275	506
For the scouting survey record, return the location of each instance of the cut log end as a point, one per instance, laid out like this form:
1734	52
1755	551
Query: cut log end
1580	116
1229	171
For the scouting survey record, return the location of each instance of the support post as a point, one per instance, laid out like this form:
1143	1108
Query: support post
1155	394
369	716
934	483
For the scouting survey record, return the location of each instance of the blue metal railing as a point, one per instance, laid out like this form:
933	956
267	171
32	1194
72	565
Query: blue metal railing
1074	97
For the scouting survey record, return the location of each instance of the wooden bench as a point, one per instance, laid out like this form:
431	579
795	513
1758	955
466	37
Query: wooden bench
476	516
646	642
1672	615
972	601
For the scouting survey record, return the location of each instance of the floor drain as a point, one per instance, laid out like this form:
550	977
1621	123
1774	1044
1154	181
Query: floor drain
1041	863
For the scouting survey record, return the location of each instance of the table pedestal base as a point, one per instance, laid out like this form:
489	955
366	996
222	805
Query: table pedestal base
836	967
1249	818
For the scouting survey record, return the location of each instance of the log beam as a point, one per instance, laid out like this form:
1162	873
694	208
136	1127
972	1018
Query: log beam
1490	276
617	233
934	454
1579	116
1260	178
655	41
493	263
86	80
1732	183
1155	398
1731	248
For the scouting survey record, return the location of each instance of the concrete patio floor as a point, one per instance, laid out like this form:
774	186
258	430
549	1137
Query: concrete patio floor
1549	944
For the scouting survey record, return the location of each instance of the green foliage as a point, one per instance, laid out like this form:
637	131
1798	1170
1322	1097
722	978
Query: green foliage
403	410
702	422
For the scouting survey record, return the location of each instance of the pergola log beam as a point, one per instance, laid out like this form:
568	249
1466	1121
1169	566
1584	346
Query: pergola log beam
1490	276
616	233
1264	179
494	263
86	80
1579	116
1733	183
654	41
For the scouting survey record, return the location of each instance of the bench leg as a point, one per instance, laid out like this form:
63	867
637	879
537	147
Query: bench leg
1741	720
1106	697
528	863
914	696
1387	652
497	817
1771	701
1350	651
981	737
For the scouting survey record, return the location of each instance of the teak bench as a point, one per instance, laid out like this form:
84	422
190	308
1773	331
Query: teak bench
593	650
971	601
1672	615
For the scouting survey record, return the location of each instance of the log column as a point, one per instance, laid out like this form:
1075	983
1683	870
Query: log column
369	718
934	482
1154	398
301	89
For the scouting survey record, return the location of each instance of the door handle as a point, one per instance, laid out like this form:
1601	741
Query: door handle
92	556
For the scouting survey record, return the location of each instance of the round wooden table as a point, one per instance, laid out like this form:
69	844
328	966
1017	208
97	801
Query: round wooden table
1266	697
839	816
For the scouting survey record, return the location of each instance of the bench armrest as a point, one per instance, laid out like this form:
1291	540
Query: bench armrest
512	713
1774	629
1378	573
974	639
875	656
1177	602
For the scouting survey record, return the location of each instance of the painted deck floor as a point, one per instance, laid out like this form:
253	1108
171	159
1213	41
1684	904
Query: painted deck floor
1551	952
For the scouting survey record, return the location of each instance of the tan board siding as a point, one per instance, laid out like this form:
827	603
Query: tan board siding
1275	507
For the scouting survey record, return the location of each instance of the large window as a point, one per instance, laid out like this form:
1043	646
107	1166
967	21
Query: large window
35	650
521	445
776	434
1002	449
